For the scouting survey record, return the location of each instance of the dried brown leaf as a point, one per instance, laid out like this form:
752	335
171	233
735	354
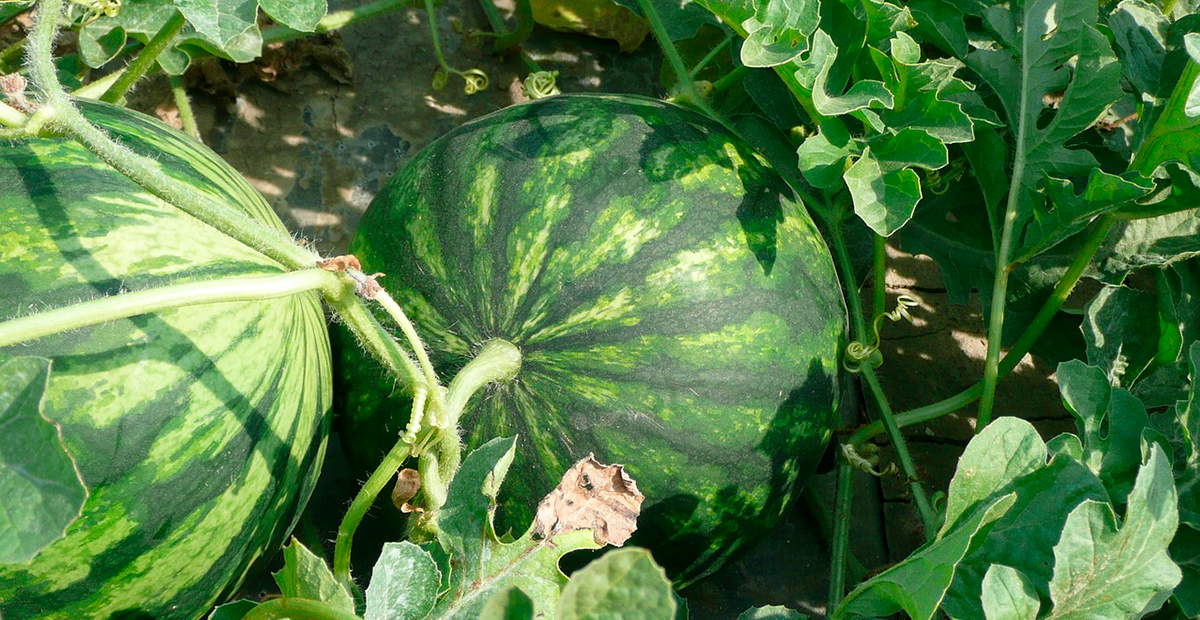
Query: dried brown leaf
408	482
592	496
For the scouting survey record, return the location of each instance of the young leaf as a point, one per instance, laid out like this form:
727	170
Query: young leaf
1008	595
1005	450
219	20
862	94
1102	572
508	604
404	584
822	158
917	585
779	31
623	583
305	575
882	183
475	563
41	490
1110	422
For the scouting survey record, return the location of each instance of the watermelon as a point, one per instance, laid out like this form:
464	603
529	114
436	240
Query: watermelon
676	309
198	431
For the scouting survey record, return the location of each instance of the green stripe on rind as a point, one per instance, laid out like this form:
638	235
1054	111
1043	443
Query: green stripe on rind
200	430
676	308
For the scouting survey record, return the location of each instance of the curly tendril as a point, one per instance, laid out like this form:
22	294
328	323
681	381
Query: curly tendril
475	80
938	181
867	463
540	84
860	353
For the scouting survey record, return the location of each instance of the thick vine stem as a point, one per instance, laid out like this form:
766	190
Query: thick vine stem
297	609
182	103
689	95
125	305
375	484
143	170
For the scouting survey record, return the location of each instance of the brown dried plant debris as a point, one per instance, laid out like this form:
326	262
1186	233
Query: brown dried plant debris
591	496
408	482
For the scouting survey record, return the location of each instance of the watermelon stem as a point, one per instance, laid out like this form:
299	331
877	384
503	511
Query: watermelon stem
358	509
690	96
125	305
144	171
145	60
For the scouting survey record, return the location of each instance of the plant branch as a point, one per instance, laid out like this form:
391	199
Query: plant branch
11	117
125	305
358	509
924	509
145	59
414	340
1017	352
720	47
297	609
672	55
143	170
879	276
182	103
840	546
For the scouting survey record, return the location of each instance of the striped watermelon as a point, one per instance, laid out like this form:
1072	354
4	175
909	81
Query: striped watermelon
676	309
199	431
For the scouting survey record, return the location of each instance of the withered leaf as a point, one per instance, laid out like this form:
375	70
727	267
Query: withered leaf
408	482
591	496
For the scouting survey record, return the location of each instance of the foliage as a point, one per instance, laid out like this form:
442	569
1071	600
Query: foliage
1024	146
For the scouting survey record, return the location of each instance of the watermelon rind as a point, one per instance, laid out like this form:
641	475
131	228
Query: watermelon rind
675	306
198	431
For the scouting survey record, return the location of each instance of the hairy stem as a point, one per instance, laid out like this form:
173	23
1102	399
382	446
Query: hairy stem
297	609
720	47
353	312
414	340
924	509
145	171
358	509
1017	352
184	105
11	117
125	305
145	59
731	78
672	55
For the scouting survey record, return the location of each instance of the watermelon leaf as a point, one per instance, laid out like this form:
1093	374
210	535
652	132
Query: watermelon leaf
779	31
404	584
1103	571
511	603
301	15
42	489
625	583
917	585
305	575
1008	595
475	565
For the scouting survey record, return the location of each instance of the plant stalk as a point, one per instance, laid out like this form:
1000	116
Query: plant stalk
720	47
358	509
879	276
414	340
924	509
840	545
125	305
1017	352
184	105
11	117
145	59
672	55
297	609
144	171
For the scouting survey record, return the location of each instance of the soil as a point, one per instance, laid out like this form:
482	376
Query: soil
319	124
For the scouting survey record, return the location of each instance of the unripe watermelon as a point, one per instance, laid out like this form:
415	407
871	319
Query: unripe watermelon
199	431
676	309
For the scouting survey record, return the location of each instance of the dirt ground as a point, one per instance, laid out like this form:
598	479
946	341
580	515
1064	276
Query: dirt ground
320	124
